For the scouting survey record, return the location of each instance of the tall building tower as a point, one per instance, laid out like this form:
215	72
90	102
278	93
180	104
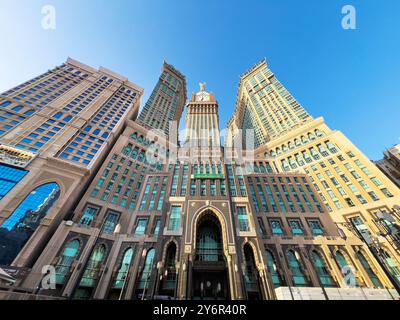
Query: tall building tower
55	131
390	164
166	101
201	228
360	198
265	106
202	123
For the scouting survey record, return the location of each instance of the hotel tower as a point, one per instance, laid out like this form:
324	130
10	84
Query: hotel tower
288	210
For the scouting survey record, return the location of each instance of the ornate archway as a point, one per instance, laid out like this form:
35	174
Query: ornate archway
210	277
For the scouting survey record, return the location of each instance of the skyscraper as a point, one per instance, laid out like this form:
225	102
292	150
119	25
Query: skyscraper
200	227
166	101
360	198
164	221
390	164
54	132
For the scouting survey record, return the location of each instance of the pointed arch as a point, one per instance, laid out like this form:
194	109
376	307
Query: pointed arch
17	229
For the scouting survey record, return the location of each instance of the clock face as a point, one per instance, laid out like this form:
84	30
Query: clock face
202	97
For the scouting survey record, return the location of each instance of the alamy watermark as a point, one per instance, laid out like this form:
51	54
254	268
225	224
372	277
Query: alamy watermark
349	19
49	21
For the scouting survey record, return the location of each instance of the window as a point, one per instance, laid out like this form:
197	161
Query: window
369	270
298	278
65	262
316	228
243	219
175	218
272	269
347	270
322	270
295	225
123	269
141	226
157	227
276	227
111	222
9	177
88	216
18	228
92	270
148	265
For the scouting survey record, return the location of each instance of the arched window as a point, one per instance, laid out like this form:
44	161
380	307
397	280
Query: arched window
347	270
170	268
322	270
272	269
251	274
148	265
299	280
64	264
92	270
124	268
18	228
369	270
392	264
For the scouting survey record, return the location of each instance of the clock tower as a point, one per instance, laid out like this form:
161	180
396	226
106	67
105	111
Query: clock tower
202	122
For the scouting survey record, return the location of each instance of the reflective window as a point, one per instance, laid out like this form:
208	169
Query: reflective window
64	265
243	219
111	222
141	227
93	267
9	177
148	264
88	216
22	223
123	269
369	270
347	270
322	271
299	280
175	218
272	269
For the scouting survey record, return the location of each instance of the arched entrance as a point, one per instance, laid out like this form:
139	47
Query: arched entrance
251	276
168	284
210	273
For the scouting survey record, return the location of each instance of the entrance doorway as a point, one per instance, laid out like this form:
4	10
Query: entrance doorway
210	273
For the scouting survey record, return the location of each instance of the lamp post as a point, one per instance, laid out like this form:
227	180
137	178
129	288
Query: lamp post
375	246
377	252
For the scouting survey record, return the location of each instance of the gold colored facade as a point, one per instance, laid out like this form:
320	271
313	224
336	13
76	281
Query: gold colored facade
360	198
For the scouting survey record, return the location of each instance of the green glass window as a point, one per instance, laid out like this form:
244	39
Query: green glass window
141	227
123	269
243	219
272	269
88	216
322	271
295	225
299	280
148	265
93	267
347	270
316	228
175	218
369	270
276	227
110	223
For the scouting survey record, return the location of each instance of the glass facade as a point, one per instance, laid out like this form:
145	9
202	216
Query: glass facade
18	228
9	177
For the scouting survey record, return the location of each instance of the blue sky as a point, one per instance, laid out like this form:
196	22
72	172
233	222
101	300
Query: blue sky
351	77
